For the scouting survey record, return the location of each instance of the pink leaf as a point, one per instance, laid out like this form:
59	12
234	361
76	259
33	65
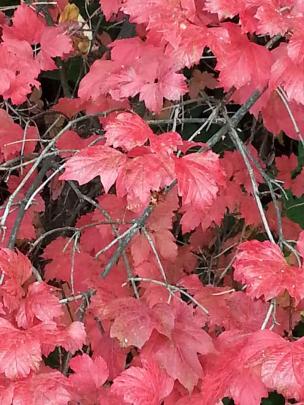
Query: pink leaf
71	338
16	269
133	321
177	350
18	70
127	130
95	161
20	352
40	303
300	245
27	25
147	385
53	387
198	178
54	43
110	7
280	362
242	62
142	175
262	267
166	143
89	376
226	373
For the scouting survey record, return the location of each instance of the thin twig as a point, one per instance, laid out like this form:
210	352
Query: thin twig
239	145
114	229
154	250
138	224
173	289
40	158
23	204
269	182
72	298
235	119
66	229
284	99
42	185
271	310
114	241
73	251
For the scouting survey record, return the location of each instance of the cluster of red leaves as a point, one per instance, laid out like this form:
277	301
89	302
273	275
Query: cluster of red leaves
150	331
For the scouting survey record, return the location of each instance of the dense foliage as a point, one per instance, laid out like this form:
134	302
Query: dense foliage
152	197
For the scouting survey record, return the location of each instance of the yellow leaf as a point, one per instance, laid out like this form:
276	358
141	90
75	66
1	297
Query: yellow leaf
70	13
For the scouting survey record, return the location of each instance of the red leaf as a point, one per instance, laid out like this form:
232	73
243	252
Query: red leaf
20	352
109	7
159	226
276	117
69	106
40	303
27	25
142	175
95	161
178	351
295	46
54	43
61	267
280	362
13	139
300	245
164	83
16	269
140	249
273	20
226	373
242	62
166	143
147	385
30	219
53	386
262	267
164	212
71	140
71	338
133	322
106	347
90	88
127	131
199	176
286	165
173	23
137	67
225	8
288	74
19	70
89	376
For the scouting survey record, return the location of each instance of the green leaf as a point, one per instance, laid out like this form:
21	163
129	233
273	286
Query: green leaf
227	401
51	74
294	208
300	156
273	399
74	69
299	330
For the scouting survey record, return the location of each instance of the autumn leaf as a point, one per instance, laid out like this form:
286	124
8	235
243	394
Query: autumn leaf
93	161
262	267
127	131
143	385
199	176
